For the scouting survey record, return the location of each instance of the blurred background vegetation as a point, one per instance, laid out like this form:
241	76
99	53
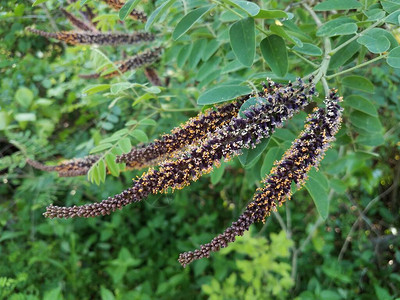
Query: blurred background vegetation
49	113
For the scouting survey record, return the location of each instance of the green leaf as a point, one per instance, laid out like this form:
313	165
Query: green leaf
125	145
53	294
101	147
337	5
375	14
373	140
317	185
152	89
96	174
282	33
249	156
393	18
217	173
24	96
308	49
362	104
183	55
188	21
102	170
273	154
382	293
359	83
343	55
82	2
271	14
111	139
222	93
157	13
210	49
243	41
111	164
119	87
387	34
25	117
393	58
93	89
37	2
3	120
140	135
228	16
131	123
196	53
148	122
390	5
106	294
249	7
374	43
339	26
208	67
366	122
274	51
127	8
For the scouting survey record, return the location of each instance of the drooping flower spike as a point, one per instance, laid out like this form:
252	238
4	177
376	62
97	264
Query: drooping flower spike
152	76
142	59
280	103
188	133
78	23
306	152
70	168
89	38
135	14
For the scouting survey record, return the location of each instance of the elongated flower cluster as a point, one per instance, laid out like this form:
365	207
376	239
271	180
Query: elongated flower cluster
277	104
189	133
152	76
135	14
147	57
137	61
89	37
194	130
74	167
78	23
306	152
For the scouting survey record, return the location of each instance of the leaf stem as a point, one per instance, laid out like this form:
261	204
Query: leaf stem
323	68
133	127
357	67
357	35
239	15
303	58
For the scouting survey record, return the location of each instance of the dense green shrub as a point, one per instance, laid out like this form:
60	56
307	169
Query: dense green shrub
344	247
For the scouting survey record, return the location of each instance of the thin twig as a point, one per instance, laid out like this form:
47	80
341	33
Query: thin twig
366	209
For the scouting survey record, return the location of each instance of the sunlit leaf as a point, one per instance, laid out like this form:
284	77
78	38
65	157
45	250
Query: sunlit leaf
358	83
157	13
317	186
101	147
222	94
339	26
273	49
243	41
393	58
189	20
140	135
308	49
337	5
127	8
249	7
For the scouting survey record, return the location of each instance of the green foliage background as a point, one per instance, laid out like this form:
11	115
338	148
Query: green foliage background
48	113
